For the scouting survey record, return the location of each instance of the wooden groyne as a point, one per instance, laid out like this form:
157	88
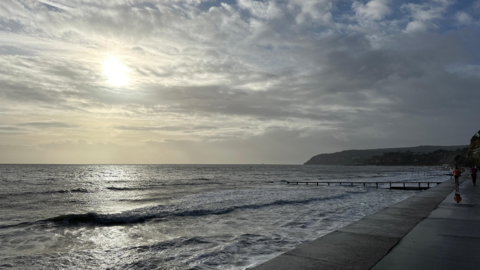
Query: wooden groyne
390	185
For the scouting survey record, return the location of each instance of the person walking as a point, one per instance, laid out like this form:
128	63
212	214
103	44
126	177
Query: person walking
473	173
456	173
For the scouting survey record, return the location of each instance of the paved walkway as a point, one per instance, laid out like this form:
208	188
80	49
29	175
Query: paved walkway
449	238
365	244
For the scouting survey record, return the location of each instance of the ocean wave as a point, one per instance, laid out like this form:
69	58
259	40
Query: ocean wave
166	211
127	188
215	251
162	186
201	178
75	190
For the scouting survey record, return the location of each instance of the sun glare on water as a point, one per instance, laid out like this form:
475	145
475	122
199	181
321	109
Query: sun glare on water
115	71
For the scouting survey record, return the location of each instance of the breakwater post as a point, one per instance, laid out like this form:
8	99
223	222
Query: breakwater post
410	187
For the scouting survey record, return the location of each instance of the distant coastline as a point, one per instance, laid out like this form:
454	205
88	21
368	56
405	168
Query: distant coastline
411	156
426	155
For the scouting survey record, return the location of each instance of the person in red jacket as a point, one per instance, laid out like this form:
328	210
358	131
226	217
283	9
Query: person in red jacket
473	173
456	174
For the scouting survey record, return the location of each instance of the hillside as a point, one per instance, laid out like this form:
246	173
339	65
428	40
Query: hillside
362	157
438	157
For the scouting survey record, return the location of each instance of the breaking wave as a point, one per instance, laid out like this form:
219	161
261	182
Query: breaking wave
165	211
75	190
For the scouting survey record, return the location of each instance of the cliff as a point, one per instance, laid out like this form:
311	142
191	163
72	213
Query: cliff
360	157
473	153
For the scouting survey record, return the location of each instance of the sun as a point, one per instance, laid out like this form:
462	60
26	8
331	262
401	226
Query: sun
115	71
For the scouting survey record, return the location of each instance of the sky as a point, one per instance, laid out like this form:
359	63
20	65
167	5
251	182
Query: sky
233	81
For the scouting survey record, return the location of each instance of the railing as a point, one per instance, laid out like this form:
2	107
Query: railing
376	184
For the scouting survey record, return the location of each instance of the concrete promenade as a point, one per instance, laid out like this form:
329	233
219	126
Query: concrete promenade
449	238
412	234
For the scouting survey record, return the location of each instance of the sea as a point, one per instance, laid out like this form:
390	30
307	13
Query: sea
181	216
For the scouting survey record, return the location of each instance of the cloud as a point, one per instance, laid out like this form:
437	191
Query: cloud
11	50
260	9
476	6
374	9
463	18
424	15
184	129
204	127
316	11
141	128
12	130
48	124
